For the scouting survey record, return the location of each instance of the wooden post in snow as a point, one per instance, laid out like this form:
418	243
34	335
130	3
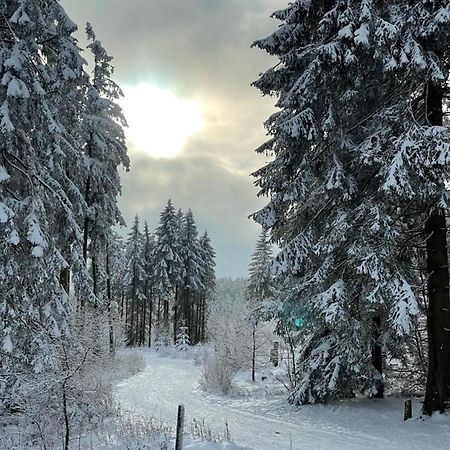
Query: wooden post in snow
408	410
180	428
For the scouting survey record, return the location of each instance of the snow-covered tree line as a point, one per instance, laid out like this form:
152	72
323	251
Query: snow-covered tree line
62	143
360	153
169	280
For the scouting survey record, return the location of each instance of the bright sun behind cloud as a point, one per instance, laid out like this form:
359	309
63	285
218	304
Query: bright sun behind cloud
159	123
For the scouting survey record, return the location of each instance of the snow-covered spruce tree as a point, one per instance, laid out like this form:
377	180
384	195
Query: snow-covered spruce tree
259	287
192	275
105	150
134	278
183	342
118	265
208	283
41	68
148	261
357	179
167	261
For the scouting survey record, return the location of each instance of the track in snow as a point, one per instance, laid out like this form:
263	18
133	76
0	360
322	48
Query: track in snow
268	423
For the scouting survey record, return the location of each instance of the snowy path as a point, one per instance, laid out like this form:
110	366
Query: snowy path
268	423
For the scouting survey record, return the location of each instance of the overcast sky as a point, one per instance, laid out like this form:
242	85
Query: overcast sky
199	50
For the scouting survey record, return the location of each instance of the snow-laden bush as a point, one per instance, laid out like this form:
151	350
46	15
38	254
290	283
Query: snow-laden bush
76	397
199	354
232	336
128	362
218	371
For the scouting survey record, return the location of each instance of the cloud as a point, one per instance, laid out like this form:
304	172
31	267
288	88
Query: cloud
199	49
189	45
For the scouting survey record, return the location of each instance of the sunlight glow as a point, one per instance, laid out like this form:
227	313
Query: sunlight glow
159	123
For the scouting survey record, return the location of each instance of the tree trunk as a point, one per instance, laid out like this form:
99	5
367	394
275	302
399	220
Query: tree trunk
122	306
109	296
203	320
127	315
437	394
64	279
85	246
197	320
133	306
254	351
144	315
66	417
150	318
166	315
86	227
377	357
175	316
158	318
94	275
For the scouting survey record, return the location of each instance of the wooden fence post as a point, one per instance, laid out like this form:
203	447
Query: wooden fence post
180	428
408	410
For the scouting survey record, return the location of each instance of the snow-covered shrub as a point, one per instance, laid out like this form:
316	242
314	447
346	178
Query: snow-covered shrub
218	371
199	354
76	396
231	335
201	429
132	432
128	362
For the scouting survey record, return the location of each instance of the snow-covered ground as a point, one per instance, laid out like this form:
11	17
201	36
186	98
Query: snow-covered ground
263	420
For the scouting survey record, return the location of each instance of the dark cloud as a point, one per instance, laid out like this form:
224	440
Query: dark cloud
199	49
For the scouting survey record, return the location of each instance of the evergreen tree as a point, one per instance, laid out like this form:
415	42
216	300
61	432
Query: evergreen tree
182	343
259	287
167	260
105	150
42	72
356	181
134	278
208	282
192	274
114	269
148	261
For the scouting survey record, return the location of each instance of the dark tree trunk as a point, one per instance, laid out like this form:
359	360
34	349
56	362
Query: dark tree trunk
437	393
64	279
85	246
109	296
127	314
131	323
94	275
377	357
143	319
166	315
86	229
158	318
191	320
197	319
254	351
175	316
203	319
150	318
